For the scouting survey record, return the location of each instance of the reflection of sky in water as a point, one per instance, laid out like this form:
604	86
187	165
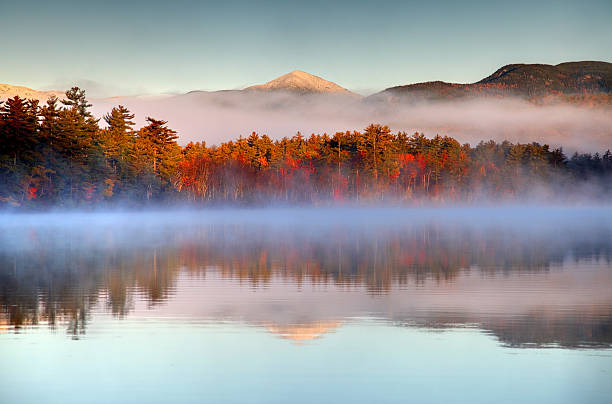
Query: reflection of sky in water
362	361
303	306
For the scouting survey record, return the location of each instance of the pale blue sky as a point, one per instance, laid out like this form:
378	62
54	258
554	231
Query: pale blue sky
125	47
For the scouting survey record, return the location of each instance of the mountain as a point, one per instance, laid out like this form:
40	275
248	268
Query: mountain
567	78
587	82
9	91
297	90
301	82
521	80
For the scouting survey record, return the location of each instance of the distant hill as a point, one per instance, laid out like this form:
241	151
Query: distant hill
522	80
301	82
9	91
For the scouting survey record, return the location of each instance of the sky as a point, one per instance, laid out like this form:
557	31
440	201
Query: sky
148	47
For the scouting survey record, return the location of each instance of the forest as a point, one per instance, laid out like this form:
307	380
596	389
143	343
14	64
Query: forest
58	155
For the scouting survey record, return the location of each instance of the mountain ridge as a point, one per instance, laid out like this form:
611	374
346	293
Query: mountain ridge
522	80
581	82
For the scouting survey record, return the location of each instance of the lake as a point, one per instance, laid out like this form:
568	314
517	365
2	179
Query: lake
427	305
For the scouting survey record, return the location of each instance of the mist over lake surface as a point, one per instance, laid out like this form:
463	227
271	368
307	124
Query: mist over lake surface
490	304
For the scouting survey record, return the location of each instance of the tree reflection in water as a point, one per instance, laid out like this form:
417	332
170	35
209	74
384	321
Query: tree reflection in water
58	274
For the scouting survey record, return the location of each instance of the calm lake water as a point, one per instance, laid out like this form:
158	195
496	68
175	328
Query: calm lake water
509	305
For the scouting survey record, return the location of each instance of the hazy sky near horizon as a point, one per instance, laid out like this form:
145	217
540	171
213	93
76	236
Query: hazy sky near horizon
128	47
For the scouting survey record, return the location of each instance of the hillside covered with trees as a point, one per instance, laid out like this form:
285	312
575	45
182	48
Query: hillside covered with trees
585	83
58	155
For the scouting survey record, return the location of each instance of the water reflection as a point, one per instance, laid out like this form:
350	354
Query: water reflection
533	278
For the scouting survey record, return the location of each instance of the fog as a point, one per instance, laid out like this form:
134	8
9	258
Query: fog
544	233
547	221
216	117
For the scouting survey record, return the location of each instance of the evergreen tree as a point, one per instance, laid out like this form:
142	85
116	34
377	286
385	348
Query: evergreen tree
118	139
157	156
18	148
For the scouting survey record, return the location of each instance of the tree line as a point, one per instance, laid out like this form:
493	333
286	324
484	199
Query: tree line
58	154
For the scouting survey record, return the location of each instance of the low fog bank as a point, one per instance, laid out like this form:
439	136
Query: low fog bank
509	214
140	228
216	117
